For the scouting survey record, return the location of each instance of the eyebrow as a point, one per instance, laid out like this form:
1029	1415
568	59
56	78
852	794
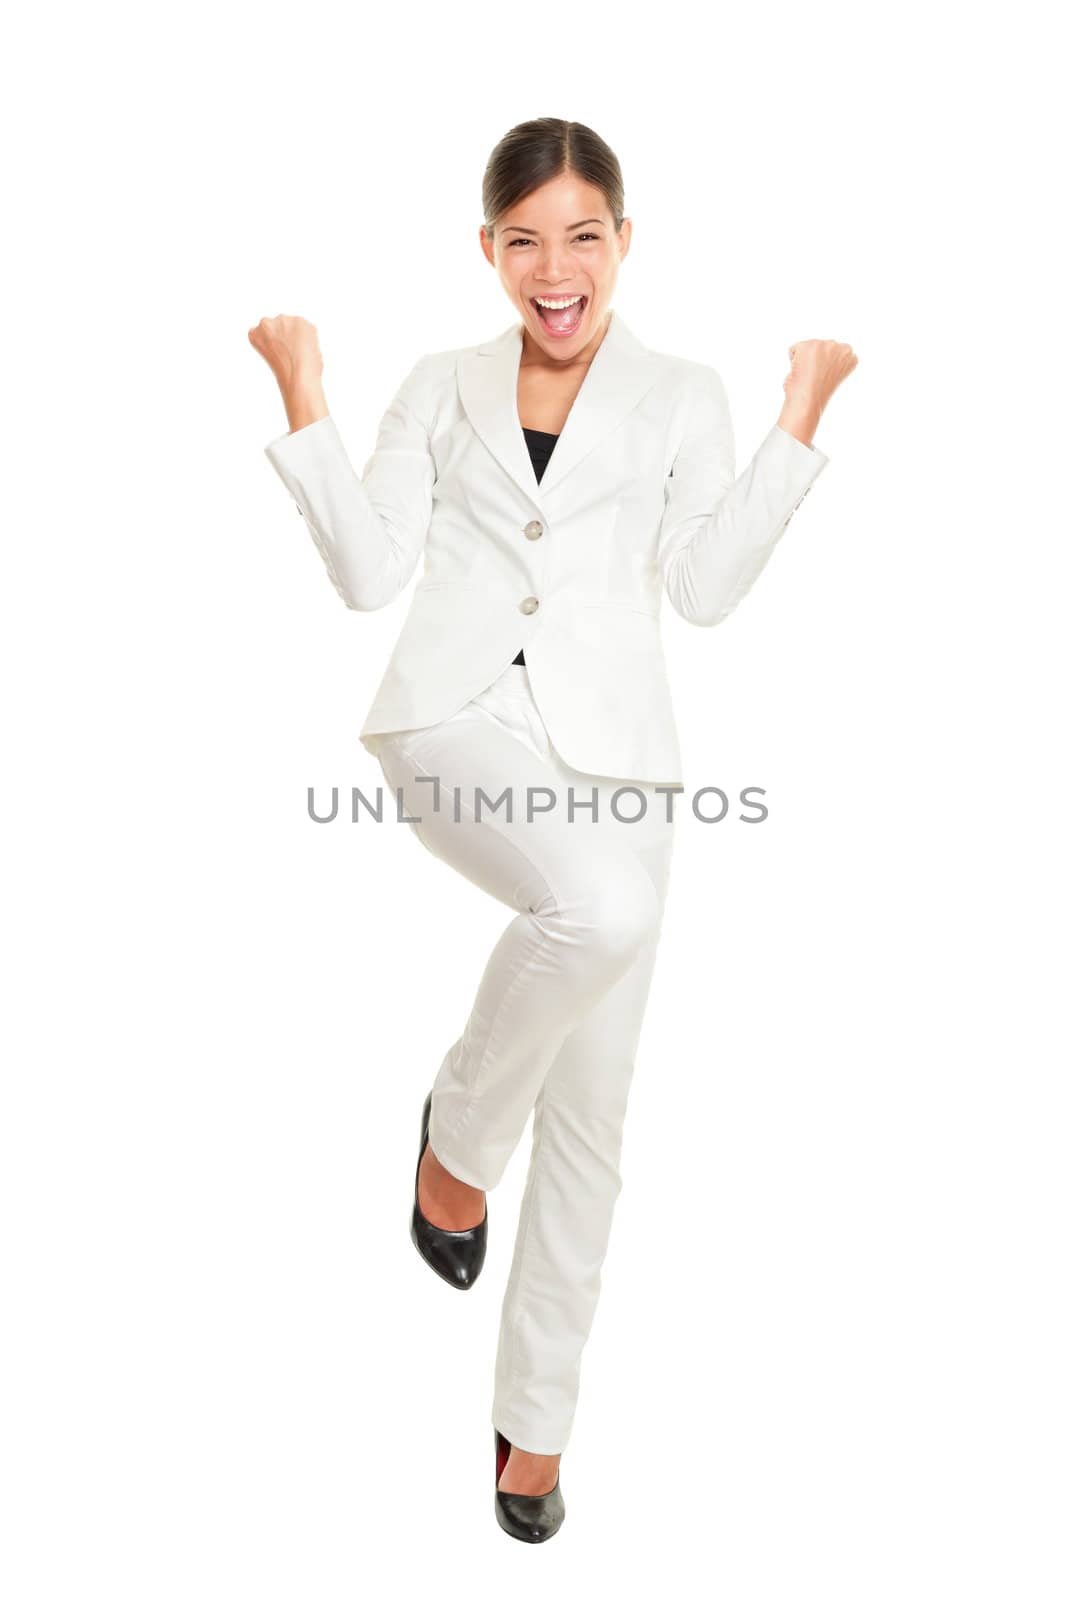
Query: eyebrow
512	229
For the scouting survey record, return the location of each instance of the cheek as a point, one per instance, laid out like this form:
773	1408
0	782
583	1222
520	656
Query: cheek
513	271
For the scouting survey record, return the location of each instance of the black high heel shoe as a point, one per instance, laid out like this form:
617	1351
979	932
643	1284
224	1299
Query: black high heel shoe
455	1255
532	1517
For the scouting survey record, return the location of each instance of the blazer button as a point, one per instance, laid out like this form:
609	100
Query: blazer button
529	605
533	530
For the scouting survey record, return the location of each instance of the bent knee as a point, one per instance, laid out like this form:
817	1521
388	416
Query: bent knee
620	909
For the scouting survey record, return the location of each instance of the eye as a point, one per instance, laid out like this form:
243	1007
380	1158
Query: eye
513	242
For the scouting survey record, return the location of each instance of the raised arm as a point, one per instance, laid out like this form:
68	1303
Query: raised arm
370	531
718	531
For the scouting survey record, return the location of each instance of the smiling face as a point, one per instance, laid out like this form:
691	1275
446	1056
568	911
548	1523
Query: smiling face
559	245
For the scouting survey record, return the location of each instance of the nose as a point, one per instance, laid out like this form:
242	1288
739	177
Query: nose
555	264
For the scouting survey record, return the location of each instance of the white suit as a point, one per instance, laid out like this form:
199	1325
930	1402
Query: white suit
638	496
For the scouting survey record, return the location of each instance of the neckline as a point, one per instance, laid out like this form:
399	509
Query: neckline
541	433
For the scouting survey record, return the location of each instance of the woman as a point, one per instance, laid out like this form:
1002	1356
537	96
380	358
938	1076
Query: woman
556	479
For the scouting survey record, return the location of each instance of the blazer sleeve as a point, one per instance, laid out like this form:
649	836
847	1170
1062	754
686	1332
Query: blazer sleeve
717	533
370	531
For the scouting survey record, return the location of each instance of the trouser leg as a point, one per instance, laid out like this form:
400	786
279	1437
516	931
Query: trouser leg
572	1184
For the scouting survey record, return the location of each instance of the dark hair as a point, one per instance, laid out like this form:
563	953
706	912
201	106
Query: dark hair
532	153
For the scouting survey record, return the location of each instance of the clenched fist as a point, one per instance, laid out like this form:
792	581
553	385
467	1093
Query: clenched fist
290	347
817	367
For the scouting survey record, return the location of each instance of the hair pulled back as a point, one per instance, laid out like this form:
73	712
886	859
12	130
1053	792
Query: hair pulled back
534	152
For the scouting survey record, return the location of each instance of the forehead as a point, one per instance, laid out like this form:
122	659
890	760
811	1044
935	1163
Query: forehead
560	203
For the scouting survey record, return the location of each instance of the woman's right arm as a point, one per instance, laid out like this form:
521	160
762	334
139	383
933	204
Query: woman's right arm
370	531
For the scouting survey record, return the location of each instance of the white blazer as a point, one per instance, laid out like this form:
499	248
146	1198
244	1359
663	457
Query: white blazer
638	497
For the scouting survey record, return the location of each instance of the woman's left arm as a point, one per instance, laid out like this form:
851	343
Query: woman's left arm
718	532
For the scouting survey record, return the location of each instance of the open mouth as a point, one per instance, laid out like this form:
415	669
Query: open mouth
560	317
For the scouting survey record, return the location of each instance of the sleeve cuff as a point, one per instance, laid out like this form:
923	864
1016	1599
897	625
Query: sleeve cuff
798	444
290	446
302	457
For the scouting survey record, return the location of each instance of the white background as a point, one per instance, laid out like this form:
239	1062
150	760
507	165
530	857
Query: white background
828	1358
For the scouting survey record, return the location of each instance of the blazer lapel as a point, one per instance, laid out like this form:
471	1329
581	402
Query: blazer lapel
621	372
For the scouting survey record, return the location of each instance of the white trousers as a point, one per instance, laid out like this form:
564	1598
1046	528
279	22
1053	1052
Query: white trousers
556	1018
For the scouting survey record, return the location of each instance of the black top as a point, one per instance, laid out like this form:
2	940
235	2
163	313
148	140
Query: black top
540	446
